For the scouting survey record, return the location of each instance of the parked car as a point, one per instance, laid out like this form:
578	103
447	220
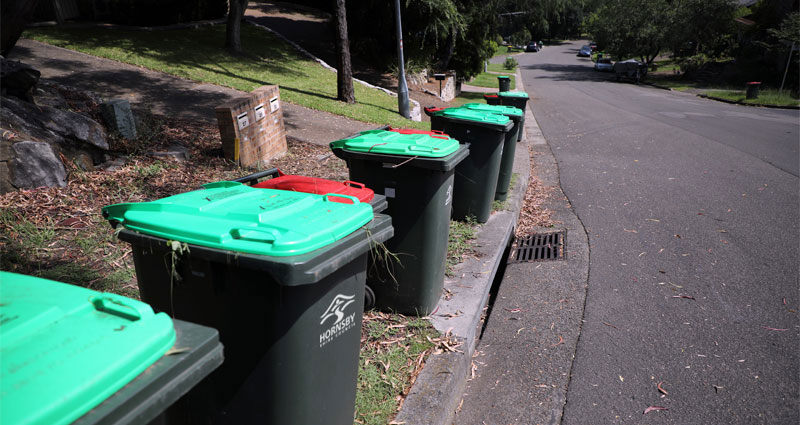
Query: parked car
604	64
532	47
585	52
630	68
593	46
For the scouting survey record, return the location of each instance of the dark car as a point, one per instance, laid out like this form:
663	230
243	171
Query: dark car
532	47
593	46
585	52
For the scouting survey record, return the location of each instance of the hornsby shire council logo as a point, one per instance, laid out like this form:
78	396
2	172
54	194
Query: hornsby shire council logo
343	322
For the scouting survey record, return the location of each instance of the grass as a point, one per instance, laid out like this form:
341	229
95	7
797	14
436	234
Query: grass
462	234
503	50
390	349
501	205
486	79
467	97
498	67
198	54
765	97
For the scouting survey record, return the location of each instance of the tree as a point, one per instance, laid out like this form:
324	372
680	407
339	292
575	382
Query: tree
344	75
236	9
14	16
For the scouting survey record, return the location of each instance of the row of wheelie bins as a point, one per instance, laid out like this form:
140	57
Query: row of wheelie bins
274	268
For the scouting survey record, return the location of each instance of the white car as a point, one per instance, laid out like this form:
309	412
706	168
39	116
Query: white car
604	64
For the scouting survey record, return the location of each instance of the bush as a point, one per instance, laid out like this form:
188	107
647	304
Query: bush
510	63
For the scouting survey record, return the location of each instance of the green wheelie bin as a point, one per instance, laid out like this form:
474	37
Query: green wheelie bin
71	355
476	177
509	145
280	274
504	81
415	173
517	99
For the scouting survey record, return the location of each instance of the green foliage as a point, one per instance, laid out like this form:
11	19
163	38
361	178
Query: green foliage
632	28
521	37
789	29
510	64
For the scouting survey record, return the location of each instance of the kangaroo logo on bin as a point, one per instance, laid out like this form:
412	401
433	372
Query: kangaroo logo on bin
337	308
342	323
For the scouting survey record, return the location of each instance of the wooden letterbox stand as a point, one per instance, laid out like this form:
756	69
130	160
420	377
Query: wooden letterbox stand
251	127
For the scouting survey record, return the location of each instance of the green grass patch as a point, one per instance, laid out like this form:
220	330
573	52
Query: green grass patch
489	80
498	67
673	82
765	97
502	205
467	97
462	234
504	50
198	54
390	348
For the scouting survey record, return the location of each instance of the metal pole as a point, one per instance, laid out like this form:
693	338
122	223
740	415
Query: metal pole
788	61
402	88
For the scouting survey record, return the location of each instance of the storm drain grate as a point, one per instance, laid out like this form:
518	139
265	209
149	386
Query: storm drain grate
540	247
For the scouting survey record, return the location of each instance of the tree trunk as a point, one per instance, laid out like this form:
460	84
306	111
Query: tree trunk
444	62
15	16
344	77
233	27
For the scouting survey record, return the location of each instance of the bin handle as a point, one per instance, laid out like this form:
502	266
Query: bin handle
419	148
253	178
253	234
327	198
116	305
354	184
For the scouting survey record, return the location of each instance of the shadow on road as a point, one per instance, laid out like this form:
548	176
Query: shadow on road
577	72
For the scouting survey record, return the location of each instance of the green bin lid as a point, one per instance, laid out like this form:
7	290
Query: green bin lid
65	349
394	143
520	94
236	217
505	77
481	117
496	109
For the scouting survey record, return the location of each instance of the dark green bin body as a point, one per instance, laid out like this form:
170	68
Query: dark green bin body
504	82
285	359
147	397
517	102
476	177
420	193
509	150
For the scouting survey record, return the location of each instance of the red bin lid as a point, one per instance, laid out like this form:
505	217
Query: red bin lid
319	186
432	133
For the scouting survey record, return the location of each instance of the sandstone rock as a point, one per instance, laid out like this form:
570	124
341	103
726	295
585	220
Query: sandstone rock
35	164
67	125
118	116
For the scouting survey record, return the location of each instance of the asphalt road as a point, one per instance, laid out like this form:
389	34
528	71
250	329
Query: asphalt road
691	209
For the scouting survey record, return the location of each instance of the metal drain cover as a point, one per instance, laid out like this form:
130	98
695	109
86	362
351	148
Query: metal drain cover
540	247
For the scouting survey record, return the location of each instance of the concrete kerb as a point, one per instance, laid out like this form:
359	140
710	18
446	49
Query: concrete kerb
438	390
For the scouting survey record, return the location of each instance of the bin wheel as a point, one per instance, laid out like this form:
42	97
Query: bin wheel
369	298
